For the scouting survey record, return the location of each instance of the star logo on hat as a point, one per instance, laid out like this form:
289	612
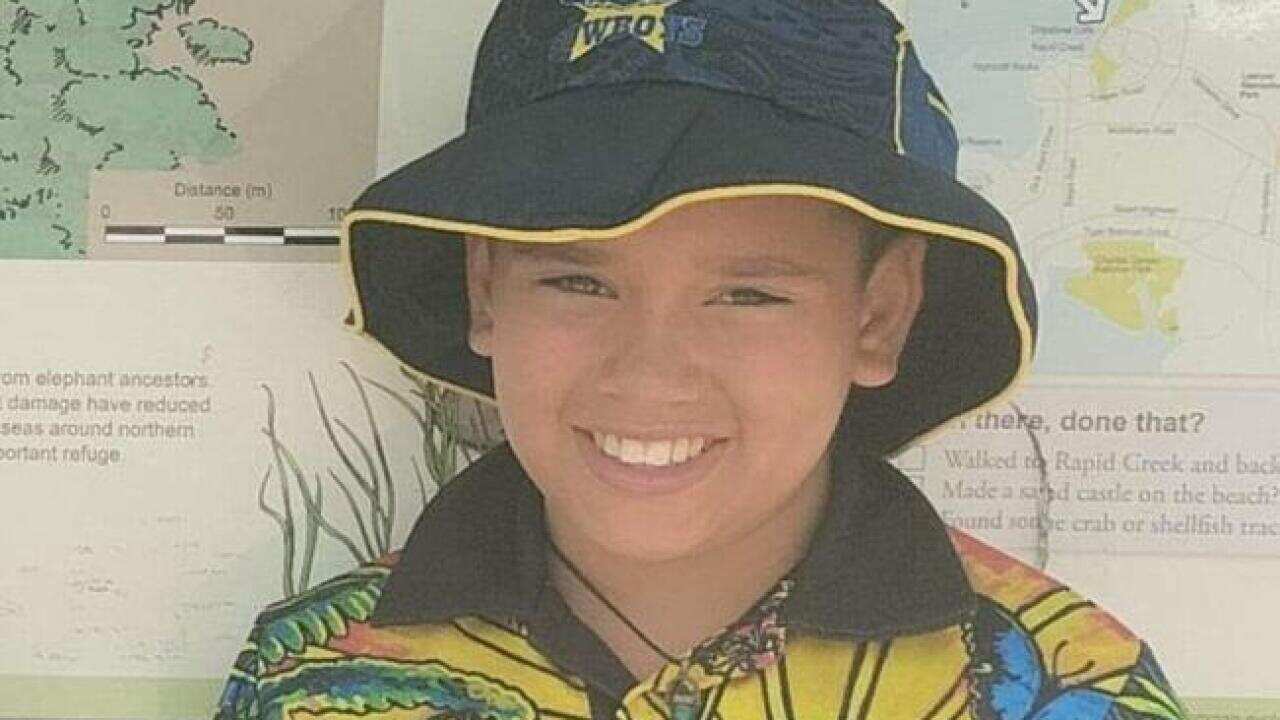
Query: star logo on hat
607	20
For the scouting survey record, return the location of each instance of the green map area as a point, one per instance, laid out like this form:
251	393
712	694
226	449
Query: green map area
78	93
212	43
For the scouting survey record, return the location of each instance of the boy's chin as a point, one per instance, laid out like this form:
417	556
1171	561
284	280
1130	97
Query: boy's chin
651	546
645	541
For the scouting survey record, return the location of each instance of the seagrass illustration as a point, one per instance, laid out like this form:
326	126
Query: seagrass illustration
453	431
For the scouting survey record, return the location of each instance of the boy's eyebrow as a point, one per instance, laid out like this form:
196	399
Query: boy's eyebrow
567	252
766	266
742	267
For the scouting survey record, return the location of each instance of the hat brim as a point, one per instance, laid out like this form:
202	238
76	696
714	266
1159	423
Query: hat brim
600	163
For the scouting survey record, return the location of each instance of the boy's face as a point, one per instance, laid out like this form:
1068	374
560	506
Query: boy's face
739	322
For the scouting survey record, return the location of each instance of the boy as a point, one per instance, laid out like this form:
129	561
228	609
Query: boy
683	245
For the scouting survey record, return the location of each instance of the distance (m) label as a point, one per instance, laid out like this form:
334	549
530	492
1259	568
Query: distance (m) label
1113	471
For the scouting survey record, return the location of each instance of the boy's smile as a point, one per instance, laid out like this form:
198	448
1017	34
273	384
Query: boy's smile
674	391
648	468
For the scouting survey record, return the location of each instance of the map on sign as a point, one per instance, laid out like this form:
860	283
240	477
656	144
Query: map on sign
177	121
1135	145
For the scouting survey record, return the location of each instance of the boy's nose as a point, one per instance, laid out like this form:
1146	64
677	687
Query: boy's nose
649	357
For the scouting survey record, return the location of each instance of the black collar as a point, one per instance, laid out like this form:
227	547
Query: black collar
880	563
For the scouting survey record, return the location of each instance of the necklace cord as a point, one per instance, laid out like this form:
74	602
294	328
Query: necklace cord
577	573
600	596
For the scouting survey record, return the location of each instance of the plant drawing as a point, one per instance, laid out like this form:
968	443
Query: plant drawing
452	429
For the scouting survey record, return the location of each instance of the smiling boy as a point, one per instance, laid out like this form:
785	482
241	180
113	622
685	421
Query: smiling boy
711	285
673	395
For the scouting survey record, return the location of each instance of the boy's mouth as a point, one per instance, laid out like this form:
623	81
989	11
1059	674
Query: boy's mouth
654	453
649	466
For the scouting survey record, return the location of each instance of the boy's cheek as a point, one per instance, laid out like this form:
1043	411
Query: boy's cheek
541	368
534	371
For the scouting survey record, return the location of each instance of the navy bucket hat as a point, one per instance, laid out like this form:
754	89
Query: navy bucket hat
588	119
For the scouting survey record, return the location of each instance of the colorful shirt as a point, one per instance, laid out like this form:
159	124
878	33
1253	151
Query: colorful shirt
891	615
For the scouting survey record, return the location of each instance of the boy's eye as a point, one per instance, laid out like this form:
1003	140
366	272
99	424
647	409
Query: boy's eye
587	285
578	284
751	296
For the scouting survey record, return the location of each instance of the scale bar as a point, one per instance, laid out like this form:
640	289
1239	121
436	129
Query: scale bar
240	235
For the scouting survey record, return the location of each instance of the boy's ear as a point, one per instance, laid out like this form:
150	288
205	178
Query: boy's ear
888	304
479	295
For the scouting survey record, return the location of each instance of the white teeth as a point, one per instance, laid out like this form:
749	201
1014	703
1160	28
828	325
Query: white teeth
632	451
680	452
659	453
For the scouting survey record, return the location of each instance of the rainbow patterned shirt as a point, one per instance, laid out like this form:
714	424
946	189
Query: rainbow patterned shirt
891	616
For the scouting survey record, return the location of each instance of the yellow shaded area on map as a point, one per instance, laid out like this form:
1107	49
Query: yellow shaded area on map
1129	282
1103	66
1129	8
